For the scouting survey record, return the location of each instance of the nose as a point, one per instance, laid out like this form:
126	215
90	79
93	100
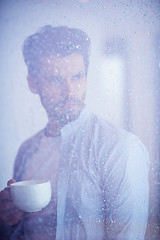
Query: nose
68	87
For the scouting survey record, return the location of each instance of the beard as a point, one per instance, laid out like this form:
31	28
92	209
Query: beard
65	111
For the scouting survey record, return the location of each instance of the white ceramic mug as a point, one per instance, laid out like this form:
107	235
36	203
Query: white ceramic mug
32	195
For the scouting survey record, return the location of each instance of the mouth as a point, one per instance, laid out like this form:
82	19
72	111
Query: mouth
70	102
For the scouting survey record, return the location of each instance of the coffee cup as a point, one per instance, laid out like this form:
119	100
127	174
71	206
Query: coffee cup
32	195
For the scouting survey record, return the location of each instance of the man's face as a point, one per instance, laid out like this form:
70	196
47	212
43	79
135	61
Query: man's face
61	86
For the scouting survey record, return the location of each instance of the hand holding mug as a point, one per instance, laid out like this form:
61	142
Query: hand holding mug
9	213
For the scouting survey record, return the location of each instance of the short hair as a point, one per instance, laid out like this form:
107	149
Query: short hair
55	41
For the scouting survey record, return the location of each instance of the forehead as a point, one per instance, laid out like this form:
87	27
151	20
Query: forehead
70	64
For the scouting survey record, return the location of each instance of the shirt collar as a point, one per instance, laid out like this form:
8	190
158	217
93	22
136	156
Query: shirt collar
72	127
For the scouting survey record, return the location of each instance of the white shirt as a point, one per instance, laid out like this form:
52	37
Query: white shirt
102	190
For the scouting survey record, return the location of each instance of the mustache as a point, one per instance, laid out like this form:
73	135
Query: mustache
69	100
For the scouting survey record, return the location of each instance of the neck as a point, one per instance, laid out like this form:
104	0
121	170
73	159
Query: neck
53	128
55	124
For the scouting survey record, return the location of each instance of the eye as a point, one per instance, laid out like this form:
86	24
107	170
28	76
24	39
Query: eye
78	76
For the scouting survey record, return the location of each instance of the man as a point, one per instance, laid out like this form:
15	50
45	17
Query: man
98	173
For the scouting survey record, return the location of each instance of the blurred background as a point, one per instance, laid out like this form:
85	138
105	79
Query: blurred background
123	78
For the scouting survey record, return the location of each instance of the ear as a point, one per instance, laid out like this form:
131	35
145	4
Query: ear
32	84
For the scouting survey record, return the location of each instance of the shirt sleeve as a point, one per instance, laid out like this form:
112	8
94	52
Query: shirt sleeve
126	191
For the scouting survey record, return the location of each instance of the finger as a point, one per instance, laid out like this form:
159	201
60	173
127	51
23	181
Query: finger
6	206
11	181
4	195
13	217
10	212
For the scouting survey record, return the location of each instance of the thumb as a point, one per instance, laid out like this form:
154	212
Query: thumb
11	181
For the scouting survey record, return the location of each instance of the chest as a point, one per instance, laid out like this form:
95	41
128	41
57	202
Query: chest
44	163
